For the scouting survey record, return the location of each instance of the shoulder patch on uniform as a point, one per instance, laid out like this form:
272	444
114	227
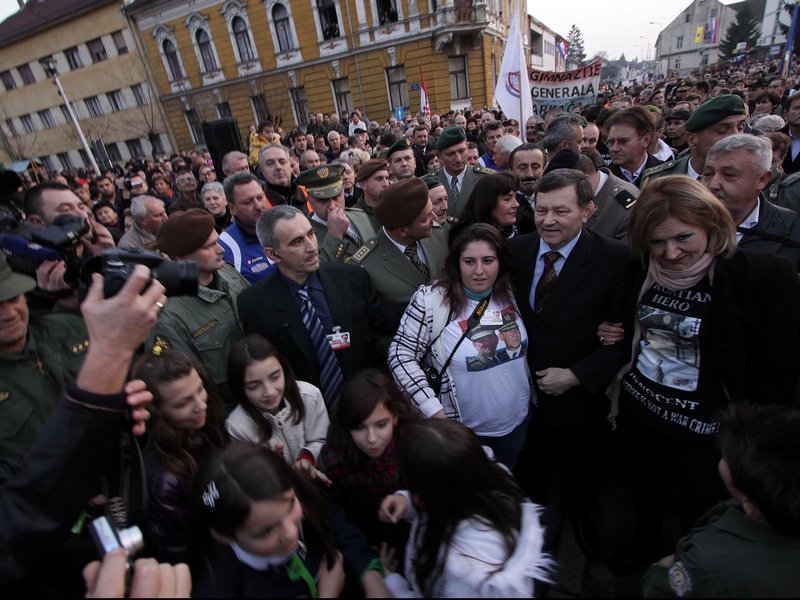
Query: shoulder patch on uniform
624	197
436	224
78	348
659	168
452	219
484	170
161	342
205	328
354	209
680	580
362	252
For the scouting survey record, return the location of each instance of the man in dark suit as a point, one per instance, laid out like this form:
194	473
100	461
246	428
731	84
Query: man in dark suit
791	164
349	311
564	282
630	132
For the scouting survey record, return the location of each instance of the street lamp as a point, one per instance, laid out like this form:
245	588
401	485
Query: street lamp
50	67
642	37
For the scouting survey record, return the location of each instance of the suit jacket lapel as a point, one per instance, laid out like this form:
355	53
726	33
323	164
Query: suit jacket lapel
288	315
396	264
338	302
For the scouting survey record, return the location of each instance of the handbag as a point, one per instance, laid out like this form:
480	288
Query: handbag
433	376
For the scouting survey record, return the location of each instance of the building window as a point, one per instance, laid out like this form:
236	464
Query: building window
283	27
224	110
171	54
10	126
342	95
97	50
93	106
678	62
398	90
119	42
242	38
47	118
679	42
116	100
73	58
84	157
27	74
135	148
138	93
48	163
206	51
65	113
714	12
27	123
113	152
66	160
300	103
195	129
8	80
328	19
155	143
704	60
260	109
387	11
688	17
458	78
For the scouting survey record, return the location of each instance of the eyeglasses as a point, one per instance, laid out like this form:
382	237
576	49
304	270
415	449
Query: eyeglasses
622	142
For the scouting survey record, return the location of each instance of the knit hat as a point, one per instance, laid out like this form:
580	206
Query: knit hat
679	115
714	110
401	203
451	136
101	204
184	232
369	168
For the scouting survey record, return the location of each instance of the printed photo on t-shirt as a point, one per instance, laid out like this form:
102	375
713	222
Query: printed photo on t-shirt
496	340
670	347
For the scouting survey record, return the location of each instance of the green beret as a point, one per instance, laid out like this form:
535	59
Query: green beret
431	180
401	203
13	284
184	232
401	144
450	137
324	181
715	109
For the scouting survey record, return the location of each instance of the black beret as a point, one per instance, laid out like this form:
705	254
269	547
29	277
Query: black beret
679	115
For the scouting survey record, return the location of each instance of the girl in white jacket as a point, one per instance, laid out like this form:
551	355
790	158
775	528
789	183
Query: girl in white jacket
473	532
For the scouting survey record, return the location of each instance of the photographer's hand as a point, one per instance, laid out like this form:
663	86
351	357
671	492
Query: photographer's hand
98	238
50	276
150	579
117	327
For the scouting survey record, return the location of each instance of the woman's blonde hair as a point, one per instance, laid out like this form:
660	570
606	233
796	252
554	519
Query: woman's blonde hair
687	201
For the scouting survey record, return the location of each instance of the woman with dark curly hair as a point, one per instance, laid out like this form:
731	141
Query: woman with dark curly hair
185	428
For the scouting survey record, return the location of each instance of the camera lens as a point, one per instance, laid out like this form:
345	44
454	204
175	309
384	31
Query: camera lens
131	539
178	277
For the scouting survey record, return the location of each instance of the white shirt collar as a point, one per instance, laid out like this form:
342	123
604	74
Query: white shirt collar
603	179
750	221
632	176
691	172
564	251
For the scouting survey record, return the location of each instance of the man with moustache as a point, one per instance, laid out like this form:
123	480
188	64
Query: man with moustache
527	162
458	177
401	159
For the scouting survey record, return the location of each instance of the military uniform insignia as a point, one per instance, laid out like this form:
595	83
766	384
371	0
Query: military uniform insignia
452	220
436	224
322	172
362	252
79	348
624	197
205	328
484	170
4	395
680	580
162	343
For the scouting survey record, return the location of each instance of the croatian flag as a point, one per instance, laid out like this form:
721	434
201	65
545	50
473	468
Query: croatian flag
425	107
714	24
562	49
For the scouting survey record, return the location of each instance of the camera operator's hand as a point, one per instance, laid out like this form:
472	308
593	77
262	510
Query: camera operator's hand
117	327
50	276
98	238
150	579
138	398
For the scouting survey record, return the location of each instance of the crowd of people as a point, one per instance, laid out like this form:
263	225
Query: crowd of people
366	358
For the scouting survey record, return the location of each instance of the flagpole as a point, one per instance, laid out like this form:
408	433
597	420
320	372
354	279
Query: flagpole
786	61
523	76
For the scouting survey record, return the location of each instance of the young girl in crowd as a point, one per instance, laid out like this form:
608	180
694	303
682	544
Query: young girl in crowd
275	409
185	428
275	537
473	533
361	455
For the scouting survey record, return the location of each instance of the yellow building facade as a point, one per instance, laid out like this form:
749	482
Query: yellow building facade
281	59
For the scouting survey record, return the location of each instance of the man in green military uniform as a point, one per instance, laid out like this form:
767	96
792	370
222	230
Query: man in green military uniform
716	119
203	326
372	178
401	159
38	357
411	247
484	340
457	176
437	194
